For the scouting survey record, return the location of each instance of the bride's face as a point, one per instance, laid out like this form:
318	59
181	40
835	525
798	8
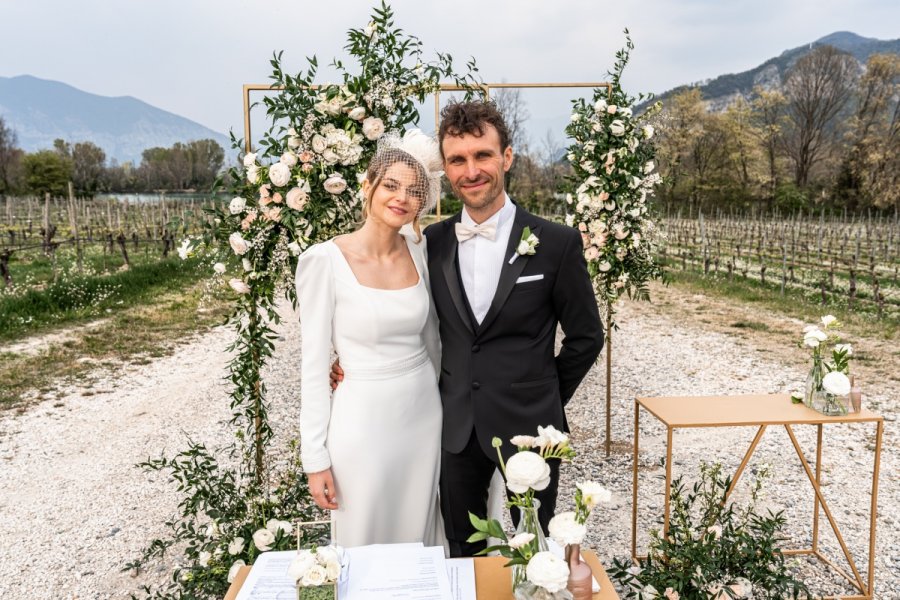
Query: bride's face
399	196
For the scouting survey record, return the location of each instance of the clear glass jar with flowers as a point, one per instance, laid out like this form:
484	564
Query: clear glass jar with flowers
828	383
316	572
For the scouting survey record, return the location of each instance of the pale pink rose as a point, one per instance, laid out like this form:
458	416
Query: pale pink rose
671	594
296	199
265	201
265	191
305	156
591	253
582	227
277	198
273	214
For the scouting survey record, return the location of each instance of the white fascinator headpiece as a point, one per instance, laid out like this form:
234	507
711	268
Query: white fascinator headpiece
424	150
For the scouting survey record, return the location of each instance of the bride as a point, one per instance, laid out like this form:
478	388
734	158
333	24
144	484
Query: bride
372	449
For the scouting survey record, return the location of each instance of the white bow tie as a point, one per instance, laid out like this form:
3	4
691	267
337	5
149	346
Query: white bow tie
465	232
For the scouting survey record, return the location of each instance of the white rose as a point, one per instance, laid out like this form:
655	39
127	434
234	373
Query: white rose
253	174
647	130
318	144
373	128
235	567
828	320
566	530
335	184
330	156
526	470
238	244
314	576
289	159
332	570
327	554
203	559
520	540
836	383
293	141
617	128
604	266
294	248
241	288
279	174
296	199
301	564
523	441
250	159
593	493
611	109
600	106
547	571
358	113
237	206
236	545
219	268
523	247
263	538
592	254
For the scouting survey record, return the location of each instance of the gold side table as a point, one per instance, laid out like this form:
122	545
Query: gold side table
761	411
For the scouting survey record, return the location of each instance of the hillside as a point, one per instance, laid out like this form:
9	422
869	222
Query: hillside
40	111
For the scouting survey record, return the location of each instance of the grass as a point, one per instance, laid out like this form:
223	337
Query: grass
135	334
794	303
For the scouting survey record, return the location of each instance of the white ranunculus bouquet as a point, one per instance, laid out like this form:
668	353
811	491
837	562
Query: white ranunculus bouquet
316	567
827	380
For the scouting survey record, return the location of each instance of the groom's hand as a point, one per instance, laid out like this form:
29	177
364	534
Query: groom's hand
321	487
337	374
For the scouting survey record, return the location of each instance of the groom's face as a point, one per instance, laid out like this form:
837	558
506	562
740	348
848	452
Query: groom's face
475	167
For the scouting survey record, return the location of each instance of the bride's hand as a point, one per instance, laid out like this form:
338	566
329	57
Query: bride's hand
336	375
321	486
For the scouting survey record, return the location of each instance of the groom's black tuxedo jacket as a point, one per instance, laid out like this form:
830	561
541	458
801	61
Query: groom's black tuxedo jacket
501	377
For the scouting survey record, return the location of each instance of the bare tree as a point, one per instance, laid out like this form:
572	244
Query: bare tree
768	115
512	106
817	88
10	159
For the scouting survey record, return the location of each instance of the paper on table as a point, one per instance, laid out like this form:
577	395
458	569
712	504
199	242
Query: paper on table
461	572
397	571
561	553
268	579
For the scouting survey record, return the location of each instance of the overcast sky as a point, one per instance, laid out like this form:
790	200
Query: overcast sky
191	57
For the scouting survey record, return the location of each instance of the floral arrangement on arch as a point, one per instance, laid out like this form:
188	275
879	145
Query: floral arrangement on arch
612	158
537	572
300	187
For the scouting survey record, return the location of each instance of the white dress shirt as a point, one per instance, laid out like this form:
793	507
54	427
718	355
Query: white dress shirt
481	259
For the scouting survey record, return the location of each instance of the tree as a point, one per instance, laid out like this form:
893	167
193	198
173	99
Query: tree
88	168
817	89
679	125
47	171
512	106
768	116
207	158
10	160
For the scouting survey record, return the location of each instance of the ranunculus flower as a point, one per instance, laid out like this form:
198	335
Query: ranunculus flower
237	205
617	128
277	198
527	470
547	571
836	383
520	540
591	253
279	174
241	288
301	564
318	144
219	268
335	184
358	113
296	199
314	576
235	567
236	545
263	539
250	159
238	243
273	214
566	530
593	493
611	109
373	128
289	159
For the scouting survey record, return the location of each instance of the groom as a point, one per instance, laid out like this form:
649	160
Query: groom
499	311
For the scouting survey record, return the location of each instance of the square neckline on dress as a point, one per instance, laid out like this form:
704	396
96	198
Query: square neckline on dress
409	253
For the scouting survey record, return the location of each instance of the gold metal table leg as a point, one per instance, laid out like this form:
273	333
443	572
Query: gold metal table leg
743	465
634	480
873	511
668	493
815	531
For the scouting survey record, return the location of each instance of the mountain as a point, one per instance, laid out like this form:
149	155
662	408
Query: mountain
40	111
722	90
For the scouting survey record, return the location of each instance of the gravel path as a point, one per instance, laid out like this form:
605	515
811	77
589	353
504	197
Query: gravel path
73	509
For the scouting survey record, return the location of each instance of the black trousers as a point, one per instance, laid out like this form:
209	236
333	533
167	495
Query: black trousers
465	479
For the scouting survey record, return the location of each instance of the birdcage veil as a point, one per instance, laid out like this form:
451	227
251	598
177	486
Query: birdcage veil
418	151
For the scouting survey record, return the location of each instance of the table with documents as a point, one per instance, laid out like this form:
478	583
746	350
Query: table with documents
491	579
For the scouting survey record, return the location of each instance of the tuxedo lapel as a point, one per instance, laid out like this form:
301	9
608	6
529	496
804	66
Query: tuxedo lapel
509	273
451	273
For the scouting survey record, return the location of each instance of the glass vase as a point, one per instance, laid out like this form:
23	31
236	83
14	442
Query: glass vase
830	404
814	381
528	523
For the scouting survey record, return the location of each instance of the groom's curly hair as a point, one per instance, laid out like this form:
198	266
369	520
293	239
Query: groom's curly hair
462	118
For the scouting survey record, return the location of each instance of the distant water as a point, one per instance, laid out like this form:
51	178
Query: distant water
151	198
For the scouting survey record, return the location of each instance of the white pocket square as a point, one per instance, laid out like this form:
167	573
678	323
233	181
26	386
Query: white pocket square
526	278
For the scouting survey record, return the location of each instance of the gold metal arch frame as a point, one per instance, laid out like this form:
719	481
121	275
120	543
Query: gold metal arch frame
445	87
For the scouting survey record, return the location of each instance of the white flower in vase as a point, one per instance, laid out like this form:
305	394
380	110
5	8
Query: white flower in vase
566	530
526	470
547	571
521	540
836	383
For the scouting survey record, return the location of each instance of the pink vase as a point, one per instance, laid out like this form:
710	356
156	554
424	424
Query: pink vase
579	574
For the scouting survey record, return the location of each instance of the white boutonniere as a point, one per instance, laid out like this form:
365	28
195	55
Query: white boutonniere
527	245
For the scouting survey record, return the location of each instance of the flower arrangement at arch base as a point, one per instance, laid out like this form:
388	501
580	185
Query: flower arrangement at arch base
537	573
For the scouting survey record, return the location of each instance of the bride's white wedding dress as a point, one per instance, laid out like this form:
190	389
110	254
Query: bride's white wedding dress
380	432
